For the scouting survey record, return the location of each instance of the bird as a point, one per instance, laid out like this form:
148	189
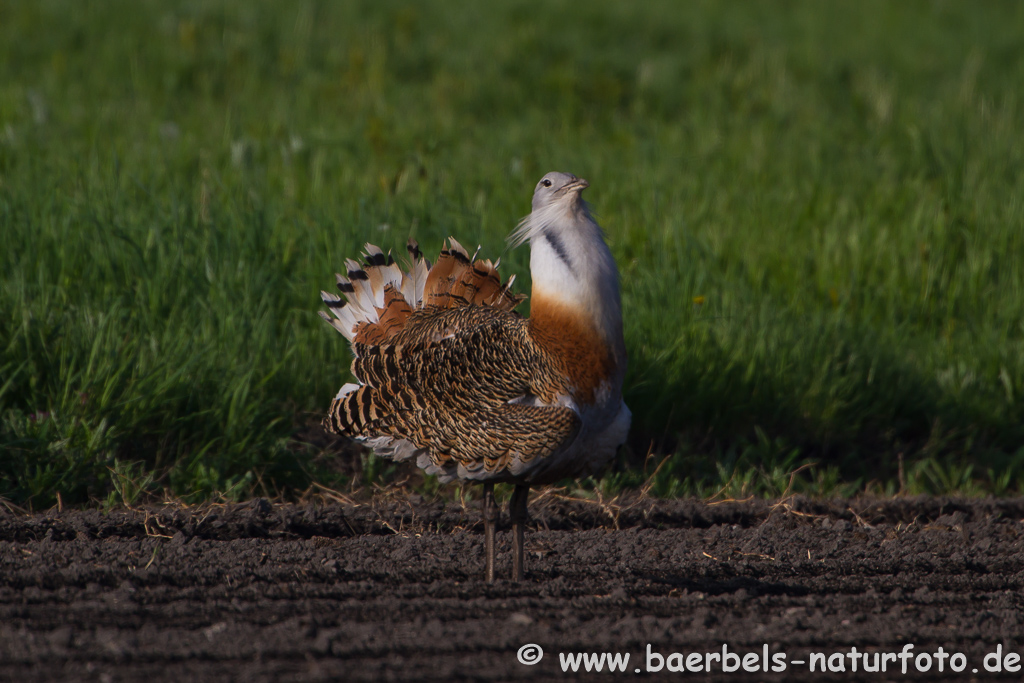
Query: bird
449	374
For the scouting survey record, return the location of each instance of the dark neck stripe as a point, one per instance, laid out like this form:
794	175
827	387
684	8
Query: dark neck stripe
559	248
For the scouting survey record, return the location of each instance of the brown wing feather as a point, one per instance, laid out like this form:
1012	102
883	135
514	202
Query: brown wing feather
442	276
393	316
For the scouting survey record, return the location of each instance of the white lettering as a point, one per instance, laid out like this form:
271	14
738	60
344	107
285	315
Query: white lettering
998	657
650	658
852	654
905	655
618	662
570	660
728	658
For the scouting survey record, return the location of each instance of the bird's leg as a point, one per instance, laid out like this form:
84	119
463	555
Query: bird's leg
520	516
490	519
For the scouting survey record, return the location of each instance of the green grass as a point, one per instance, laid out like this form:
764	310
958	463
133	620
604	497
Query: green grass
817	209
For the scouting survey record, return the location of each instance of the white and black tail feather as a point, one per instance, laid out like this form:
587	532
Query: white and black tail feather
363	288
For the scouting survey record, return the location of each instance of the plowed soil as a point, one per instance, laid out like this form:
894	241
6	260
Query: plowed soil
393	590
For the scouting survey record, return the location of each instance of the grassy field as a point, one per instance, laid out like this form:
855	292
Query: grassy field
817	209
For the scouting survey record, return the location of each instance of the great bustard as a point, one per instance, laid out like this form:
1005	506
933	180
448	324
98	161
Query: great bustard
451	375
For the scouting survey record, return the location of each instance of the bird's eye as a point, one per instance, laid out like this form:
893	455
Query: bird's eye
546	182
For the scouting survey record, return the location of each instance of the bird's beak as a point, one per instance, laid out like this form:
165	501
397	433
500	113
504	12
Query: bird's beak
577	186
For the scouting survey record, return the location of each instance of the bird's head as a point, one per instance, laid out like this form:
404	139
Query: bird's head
558	187
557	209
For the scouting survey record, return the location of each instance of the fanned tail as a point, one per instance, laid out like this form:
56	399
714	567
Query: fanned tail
379	297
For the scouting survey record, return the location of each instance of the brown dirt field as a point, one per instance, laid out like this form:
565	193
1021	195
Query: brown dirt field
392	590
